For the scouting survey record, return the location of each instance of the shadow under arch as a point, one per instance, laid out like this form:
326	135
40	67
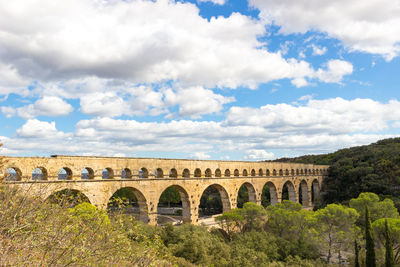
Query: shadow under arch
269	195
315	189
67	197
303	193
131	201
246	193
214	200
288	191
180	211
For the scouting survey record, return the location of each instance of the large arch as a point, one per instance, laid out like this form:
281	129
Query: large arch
182	213
291	192
315	189
13	174
136	205
67	197
246	193
303	194
209	193
269	195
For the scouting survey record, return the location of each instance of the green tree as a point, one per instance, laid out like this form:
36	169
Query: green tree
380	233
377	209
389	260
231	222
370	258
170	195
243	196
356	254
334	227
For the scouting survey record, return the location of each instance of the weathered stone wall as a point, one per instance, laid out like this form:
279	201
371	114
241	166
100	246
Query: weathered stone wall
148	190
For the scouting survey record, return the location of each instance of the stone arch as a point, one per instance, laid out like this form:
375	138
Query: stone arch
303	194
141	202
208	173
315	189
251	193
126	173
39	173
267	173
159	173
287	172
245	172
297	172
184	199
313	171
305	171
143	173
280	172
309	172
186	173
227	173
87	173
173	173
301	172
64	173
236	173
273	194
253	172
291	191
260	172
13	174
107	173
226	205
292	172
67	197
197	172
317	171
273	172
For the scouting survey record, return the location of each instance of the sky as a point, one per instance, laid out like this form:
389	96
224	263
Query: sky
197	79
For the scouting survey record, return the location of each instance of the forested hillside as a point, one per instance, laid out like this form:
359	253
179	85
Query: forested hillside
371	168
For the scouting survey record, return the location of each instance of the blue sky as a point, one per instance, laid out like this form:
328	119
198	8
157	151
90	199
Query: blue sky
217	79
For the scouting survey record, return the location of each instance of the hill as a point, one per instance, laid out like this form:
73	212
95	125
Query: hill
370	168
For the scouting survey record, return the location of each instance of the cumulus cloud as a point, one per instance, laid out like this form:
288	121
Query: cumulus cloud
318	51
200	155
258	154
215	2
371	27
46	106
314	126
137	42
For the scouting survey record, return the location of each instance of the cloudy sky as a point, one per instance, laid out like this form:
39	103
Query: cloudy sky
205	79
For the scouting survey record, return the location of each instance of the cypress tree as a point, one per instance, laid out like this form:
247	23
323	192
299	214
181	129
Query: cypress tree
356	262
369	242
389	260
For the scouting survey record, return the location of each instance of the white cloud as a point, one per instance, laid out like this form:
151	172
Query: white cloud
135	42
200	155
258	154
335	70
215	2
318	51
315	126
369	26
46	106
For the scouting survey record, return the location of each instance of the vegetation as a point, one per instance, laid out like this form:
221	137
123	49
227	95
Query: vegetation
371	168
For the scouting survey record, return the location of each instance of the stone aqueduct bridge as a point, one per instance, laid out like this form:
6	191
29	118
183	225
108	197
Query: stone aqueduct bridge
100	177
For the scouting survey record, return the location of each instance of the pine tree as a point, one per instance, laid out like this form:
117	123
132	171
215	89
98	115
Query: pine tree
389	261
356	261
369	241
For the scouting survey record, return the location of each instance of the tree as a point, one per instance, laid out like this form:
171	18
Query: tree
389	261
334	226
231	222
379	228
170	195
377	209
369	241
356	252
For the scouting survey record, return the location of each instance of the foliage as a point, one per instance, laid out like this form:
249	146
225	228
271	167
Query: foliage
379	232
265	196
356	254
334	227
210	202
371	168
389	260
378	209
243	196
170	195
370	258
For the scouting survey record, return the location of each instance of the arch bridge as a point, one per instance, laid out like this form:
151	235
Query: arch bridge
98	178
